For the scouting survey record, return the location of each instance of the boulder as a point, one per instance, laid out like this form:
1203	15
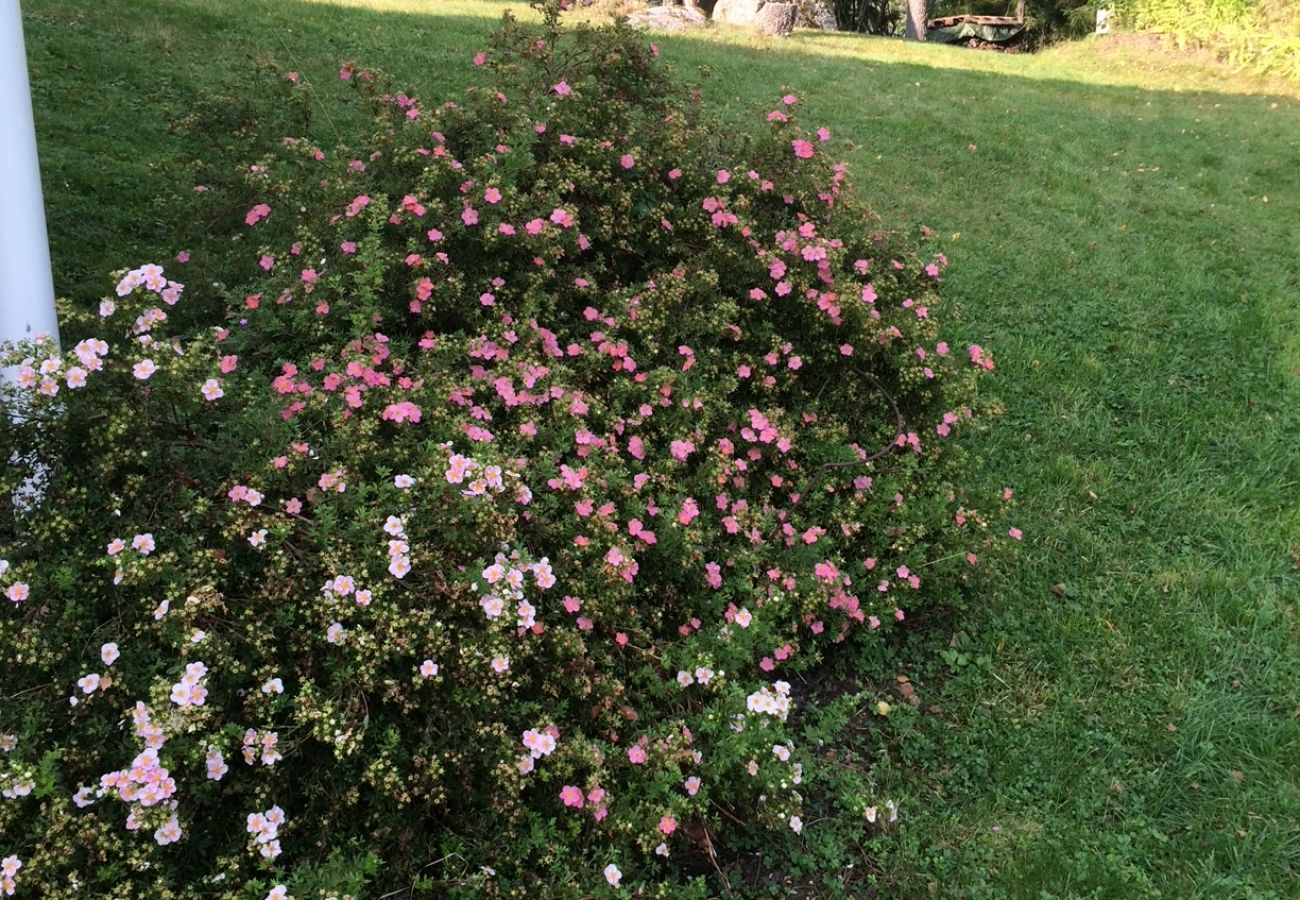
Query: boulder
777	18
737	12
668	18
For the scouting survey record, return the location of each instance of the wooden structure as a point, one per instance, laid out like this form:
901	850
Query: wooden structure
949	21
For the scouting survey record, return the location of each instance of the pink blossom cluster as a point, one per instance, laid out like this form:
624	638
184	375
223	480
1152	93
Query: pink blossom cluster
264	829
263	743
774	701
190	690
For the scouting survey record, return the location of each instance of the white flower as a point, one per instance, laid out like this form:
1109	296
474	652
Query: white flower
612	874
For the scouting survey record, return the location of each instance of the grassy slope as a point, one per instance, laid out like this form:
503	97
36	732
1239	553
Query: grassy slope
1123	230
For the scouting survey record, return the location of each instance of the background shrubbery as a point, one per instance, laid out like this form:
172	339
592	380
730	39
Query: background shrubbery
466	534
1262	35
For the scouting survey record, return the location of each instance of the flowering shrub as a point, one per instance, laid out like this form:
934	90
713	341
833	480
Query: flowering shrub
479	531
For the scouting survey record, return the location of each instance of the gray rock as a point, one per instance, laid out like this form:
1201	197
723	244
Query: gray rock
817	14
668	18
737	12
777	18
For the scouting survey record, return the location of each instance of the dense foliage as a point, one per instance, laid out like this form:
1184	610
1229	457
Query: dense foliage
468	540
1263	35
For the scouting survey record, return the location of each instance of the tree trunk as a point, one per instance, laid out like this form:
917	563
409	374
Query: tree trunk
916	15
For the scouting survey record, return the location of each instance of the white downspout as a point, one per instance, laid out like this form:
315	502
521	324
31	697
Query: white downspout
26	284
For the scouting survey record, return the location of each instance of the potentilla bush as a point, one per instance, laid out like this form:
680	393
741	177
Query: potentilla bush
469	544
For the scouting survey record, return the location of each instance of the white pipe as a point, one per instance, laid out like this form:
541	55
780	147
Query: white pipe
26	285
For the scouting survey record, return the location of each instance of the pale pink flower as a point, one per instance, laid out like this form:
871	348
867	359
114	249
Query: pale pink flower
143	369
109	654
168	833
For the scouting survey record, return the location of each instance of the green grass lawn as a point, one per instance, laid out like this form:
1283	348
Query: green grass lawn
1119	715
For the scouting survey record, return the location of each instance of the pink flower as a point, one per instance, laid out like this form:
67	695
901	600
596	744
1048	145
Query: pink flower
692	785
682	449
802	149
1016	533
144	369
667	825
626	161
406	411
636	755
257	214
571	795
713	575
826	570
492	195
563	89
469	216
